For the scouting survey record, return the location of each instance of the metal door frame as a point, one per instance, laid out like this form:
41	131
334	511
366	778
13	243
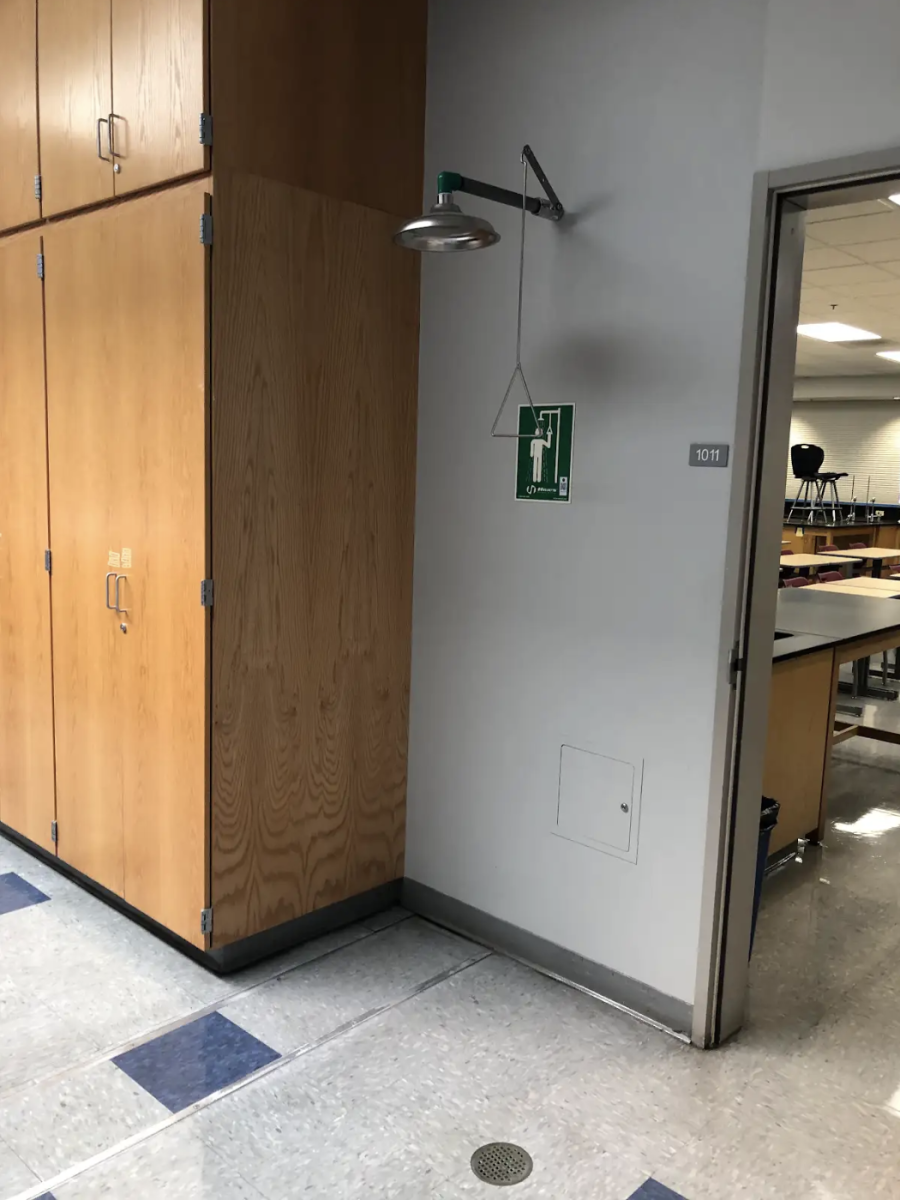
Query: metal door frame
765	401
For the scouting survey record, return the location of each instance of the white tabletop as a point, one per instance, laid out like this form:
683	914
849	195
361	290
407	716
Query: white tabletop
868	552
863	583
844	589
816	560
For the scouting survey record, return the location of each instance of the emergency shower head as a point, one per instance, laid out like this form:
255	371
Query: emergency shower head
446	227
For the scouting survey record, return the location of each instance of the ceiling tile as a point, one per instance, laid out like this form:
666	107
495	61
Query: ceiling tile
817	259
852	231
874	252
845	276
837	212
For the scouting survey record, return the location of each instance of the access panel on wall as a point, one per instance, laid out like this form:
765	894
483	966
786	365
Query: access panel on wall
126	352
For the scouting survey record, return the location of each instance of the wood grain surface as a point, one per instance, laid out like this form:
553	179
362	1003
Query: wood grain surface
75	89
126	347
158	335
83	374
159	67
27	797
315	335
799	743
18	113
329	97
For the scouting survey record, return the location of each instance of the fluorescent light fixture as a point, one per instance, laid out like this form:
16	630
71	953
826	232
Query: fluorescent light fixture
893	355
836	331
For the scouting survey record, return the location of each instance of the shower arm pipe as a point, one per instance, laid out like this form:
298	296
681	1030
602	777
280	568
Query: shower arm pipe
551	208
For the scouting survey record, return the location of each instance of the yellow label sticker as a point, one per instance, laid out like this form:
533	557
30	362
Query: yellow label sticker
126	556
115	558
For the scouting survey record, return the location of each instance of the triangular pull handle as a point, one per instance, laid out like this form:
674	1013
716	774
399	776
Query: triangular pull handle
538	423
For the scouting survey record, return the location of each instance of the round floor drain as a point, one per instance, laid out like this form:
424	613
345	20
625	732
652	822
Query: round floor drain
501	1164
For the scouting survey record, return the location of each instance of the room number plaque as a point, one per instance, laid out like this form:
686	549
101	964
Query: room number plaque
709	454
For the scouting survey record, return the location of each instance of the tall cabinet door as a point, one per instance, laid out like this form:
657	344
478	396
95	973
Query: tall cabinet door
158	335
75	90
18	113
158	58
27	802
83	372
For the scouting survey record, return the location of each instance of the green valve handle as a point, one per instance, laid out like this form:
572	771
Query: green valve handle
449	181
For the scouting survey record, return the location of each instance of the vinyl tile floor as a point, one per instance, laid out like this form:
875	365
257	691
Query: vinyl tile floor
375	1061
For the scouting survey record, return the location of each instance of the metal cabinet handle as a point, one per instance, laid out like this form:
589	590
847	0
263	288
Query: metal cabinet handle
119	579
100	154
109	575
111	134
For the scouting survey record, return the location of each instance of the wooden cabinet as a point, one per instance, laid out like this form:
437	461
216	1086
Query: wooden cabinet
324	97
230	405
121	93
82	371
26	698
160	332
75	103
158	73
18	113
126	354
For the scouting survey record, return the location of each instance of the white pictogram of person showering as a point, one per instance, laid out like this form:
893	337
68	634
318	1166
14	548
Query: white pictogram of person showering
538	446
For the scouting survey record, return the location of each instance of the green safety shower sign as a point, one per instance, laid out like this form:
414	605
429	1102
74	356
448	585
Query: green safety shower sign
544	465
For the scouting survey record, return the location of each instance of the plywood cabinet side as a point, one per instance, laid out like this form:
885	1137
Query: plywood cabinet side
27	788
159	74
314	350
18	113
799	743
328	97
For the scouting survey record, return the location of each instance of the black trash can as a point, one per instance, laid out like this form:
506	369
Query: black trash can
768	819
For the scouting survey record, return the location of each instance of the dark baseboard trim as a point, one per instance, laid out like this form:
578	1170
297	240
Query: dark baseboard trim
637	998
303	929
238	954
108	897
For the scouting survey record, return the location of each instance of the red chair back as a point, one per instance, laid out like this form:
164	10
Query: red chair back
797	581
859	545
784	552
829	577
827	550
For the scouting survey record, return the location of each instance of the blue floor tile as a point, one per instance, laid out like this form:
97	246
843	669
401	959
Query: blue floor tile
16	892
651	1190
195	1060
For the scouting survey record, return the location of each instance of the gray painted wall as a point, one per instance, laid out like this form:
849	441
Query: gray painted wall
596	624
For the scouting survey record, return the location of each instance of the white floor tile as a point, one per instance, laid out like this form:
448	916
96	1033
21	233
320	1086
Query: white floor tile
173	1165
57	1125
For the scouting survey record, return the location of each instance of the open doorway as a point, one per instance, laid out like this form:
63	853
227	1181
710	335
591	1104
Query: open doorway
816	715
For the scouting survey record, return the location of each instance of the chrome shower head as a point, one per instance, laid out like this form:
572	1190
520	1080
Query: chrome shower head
446	228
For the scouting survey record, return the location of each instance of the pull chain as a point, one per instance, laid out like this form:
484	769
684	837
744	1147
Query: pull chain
517	370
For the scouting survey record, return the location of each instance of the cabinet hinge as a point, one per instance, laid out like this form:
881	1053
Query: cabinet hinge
37	187
206	593
206	920
206	229
54	831
735	665
40	266
205	129
48	560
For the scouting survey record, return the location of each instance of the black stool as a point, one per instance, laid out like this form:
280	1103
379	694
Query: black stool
806	461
